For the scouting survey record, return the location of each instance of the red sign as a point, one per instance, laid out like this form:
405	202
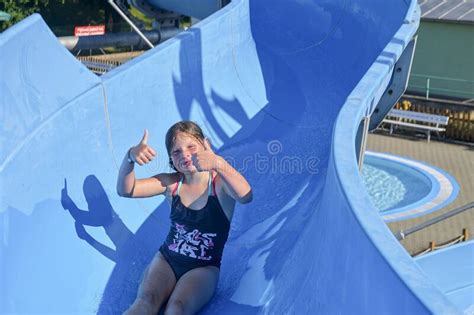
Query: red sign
89	30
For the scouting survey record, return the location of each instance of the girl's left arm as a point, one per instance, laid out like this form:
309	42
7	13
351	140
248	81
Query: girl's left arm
234	183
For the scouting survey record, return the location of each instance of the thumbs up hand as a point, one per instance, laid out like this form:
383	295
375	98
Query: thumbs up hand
142	153
206	159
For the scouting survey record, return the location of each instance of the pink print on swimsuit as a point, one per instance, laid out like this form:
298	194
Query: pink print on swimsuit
193	244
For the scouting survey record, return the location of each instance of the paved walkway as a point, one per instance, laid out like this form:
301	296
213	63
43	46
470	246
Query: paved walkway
458	161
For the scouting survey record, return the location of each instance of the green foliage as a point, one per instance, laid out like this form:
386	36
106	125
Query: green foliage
20	9
63	15
60	15
141	17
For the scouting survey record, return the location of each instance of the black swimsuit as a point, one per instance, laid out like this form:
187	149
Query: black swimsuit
196	237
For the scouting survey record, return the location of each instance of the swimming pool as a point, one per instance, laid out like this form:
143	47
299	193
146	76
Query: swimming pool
403	188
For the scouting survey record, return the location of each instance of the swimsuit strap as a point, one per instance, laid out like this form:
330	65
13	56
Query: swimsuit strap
180	183
173	193
214	186
210	184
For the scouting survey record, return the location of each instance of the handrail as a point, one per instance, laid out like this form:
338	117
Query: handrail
440	78
429	89
402	234
125	17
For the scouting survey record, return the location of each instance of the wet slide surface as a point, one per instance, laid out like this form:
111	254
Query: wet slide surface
279	87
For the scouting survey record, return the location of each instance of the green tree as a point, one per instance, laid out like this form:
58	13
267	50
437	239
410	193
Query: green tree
20	9
60	15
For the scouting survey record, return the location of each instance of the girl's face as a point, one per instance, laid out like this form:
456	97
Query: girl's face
181	153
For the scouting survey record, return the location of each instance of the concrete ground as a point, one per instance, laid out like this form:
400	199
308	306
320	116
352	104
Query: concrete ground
458	161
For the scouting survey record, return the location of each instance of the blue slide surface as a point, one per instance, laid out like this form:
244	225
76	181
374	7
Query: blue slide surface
457	279
280	88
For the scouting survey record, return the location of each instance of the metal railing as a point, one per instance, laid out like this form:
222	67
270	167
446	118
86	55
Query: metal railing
468	93
404	233
101	64
125	17
98	67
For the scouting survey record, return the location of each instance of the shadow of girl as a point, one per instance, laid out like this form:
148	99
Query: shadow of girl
132	253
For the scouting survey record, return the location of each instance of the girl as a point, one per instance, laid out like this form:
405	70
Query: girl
202	194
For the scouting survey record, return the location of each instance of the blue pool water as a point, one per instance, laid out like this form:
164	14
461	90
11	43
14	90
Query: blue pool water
402	188
392	185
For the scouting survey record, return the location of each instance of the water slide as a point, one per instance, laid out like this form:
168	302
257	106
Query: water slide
457	279
280	87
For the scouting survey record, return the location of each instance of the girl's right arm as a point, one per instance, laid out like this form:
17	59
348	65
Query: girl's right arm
128	185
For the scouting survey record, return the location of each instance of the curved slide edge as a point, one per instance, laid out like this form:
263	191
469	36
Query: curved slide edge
360	104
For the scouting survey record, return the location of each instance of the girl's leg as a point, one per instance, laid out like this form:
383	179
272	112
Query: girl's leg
157	284
193	290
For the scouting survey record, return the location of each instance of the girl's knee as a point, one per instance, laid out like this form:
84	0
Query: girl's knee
176	306
142	306
151	298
